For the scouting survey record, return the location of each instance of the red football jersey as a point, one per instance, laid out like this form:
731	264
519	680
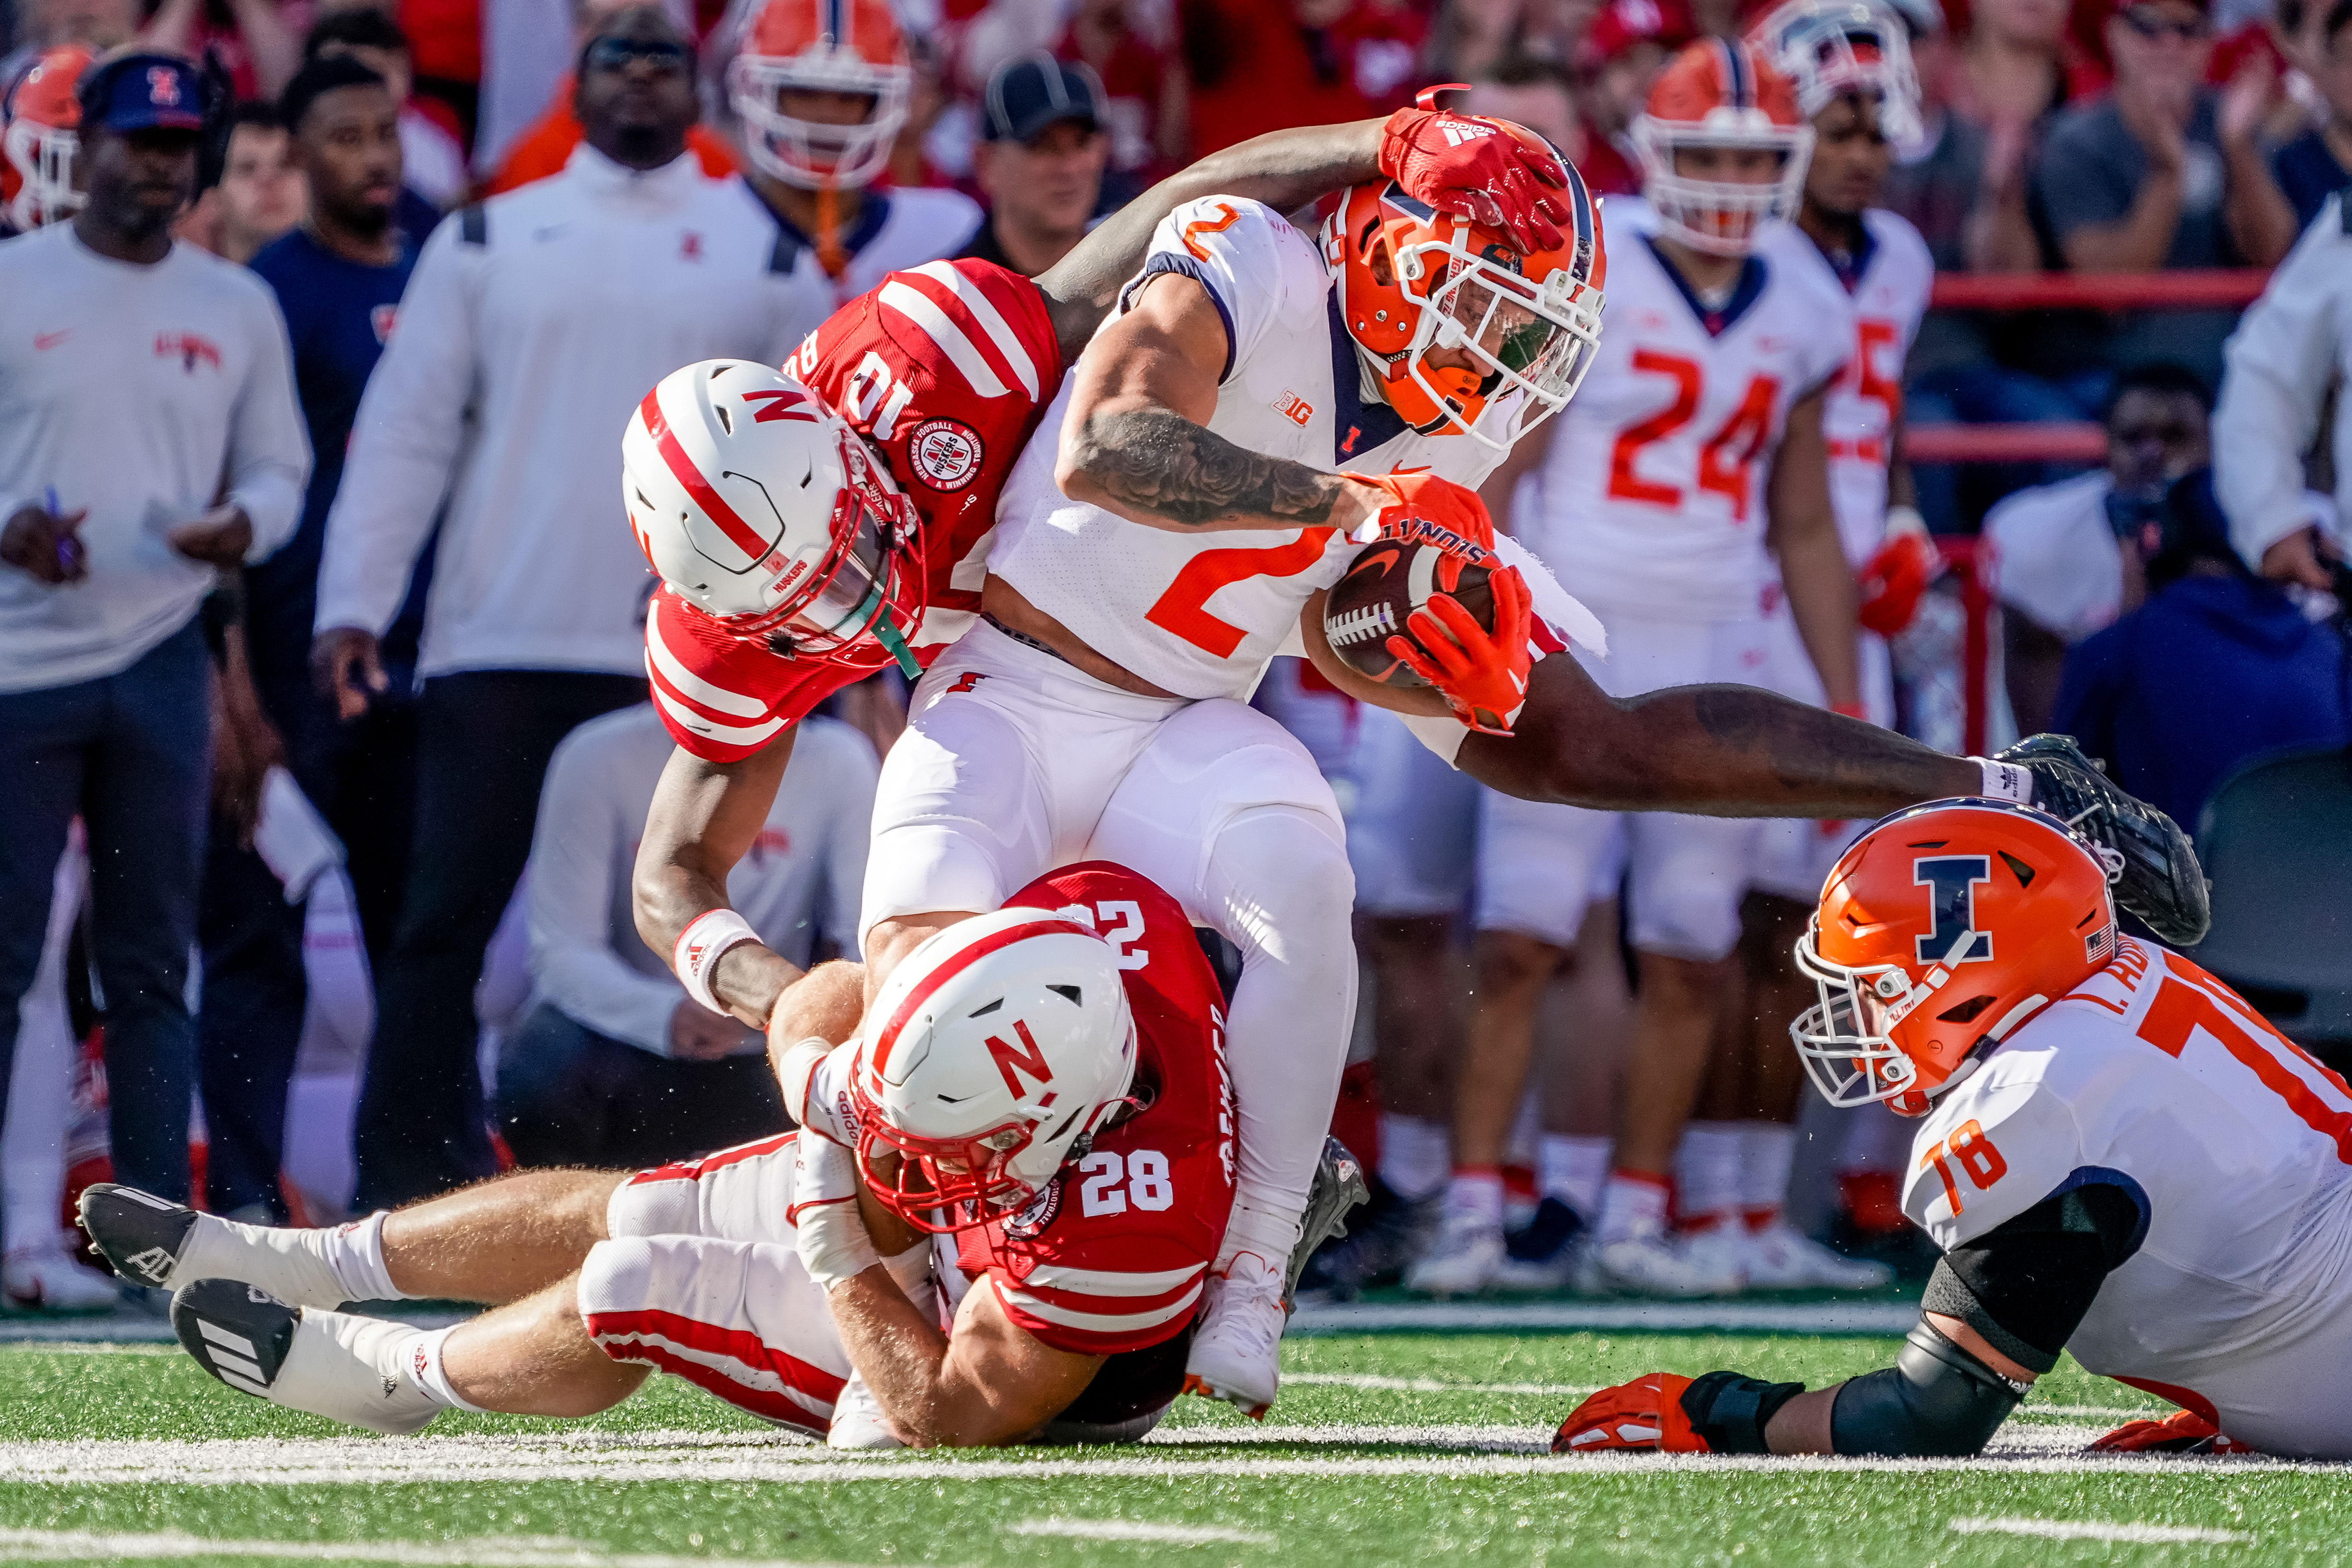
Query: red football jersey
945	370
1111	1255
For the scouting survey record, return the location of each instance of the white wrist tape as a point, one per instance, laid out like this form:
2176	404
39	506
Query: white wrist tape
699	945
2005	781
826	1230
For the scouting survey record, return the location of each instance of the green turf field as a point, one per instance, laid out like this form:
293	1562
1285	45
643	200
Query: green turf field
1395	1448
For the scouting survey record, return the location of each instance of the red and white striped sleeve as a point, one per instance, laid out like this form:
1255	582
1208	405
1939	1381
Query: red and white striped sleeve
720	698
1142	1289
985	325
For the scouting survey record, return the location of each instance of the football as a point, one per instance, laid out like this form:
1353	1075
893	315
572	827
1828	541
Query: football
1386	583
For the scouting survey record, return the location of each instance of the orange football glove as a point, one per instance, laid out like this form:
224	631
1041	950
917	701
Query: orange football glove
1482	676
1892	582
2182	1432
1424	506
1646	1414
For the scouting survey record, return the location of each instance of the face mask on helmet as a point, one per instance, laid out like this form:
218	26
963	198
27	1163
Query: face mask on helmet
845	47
42	139
1829	47
1944	929
1722	146
999	1046
1463	334
763	510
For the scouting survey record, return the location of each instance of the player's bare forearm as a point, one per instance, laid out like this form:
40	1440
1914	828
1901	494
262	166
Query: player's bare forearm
1284	169
1713	751
1160	468
1813	568
704	818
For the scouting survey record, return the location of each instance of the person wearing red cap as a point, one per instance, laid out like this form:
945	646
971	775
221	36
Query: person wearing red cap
1630	43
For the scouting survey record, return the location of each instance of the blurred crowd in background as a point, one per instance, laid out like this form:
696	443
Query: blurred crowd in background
406	839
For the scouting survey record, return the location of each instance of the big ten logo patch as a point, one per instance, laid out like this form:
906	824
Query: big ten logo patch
946	452
1294	408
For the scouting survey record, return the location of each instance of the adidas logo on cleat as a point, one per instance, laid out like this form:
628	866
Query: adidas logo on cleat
153	1266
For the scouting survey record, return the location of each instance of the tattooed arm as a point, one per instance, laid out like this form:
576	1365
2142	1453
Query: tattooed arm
1135	441
1712	750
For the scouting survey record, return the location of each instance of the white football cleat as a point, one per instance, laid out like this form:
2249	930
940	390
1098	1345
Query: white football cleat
1549	1254
1718	1251
1464	1259
1781	1258
336	1364
42	1277
157	1243
1237	1350
858	1420
1648	1263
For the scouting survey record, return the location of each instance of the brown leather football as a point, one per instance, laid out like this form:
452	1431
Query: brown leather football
1390	580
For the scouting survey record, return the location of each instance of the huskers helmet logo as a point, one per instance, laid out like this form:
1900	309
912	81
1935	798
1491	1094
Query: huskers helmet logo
1952	904
1013	1061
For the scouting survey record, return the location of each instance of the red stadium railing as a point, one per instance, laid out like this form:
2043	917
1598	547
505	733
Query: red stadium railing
2079	442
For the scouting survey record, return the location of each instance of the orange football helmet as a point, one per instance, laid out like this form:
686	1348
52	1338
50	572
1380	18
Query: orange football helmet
42	115
821	46
1943	928
1412	280
1721	94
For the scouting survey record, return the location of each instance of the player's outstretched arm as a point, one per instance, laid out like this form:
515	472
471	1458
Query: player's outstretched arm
1715	751
704	818
1136	440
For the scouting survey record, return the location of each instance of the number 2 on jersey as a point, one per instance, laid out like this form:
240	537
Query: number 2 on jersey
1183	610
1724	459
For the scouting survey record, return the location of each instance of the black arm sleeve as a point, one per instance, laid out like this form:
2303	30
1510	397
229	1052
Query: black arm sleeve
1937	1401
2026	1284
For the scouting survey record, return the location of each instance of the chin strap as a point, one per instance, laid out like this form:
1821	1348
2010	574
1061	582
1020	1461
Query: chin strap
894	643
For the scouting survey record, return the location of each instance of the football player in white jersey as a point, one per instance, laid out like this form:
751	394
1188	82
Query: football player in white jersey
822	87
2118	1158
1850	63
1693	457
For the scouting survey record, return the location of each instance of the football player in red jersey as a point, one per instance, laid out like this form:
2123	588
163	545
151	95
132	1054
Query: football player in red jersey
1080	1185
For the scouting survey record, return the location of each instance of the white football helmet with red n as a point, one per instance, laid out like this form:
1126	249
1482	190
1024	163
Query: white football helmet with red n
993	1049
1720	95
763	509
821	46
43	117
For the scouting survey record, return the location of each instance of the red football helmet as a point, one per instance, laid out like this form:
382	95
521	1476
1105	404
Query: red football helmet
821	46
763	509
42	116
1412	281
1717	96
1940	931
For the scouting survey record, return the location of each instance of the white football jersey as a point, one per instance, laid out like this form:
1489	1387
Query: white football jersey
1652	496
1889	298
2237	1149
1200	614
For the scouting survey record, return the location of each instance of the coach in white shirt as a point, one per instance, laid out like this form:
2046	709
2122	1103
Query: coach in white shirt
531	328
616	1068
149	438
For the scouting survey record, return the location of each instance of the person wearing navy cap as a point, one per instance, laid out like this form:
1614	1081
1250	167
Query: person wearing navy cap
150	442
1040	161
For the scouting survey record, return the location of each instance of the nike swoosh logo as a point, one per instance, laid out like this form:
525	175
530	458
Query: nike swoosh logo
44	341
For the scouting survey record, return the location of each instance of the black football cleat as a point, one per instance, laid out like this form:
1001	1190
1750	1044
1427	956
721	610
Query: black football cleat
139	1235
2157	878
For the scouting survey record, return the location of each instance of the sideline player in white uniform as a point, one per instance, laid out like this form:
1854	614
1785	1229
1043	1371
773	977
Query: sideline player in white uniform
1069	1058
1692	457
1850	62
2119	1159
822	87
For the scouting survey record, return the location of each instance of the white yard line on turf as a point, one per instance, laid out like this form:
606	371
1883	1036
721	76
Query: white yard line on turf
1784	1317
1130	1530
1433	1384
710	1458
491	1552
2097	1530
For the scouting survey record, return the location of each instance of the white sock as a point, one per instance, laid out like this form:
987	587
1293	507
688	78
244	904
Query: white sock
1707	1172
1571	1170
1767	1151
1252	1229
1632	1204
305	1268
1476	1190
420	1357
1416	1155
